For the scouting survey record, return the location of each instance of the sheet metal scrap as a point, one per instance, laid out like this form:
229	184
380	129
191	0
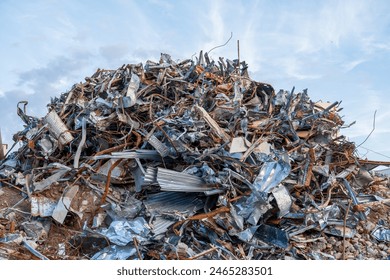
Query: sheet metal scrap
183	160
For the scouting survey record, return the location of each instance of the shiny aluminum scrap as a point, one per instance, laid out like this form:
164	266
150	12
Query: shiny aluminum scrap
183	159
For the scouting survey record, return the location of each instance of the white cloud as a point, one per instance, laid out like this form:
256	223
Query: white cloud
60	85
293	67
372	45
350	65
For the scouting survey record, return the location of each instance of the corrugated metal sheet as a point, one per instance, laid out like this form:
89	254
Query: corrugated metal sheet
160	225
166	207
170	180
165	202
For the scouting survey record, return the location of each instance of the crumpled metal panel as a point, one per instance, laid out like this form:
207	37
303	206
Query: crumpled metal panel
123	232
247	234
42	206
283	199
381	234
63	205
272	173
132	89
272	235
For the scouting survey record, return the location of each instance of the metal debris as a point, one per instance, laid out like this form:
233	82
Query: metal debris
61	209
381	233
184	159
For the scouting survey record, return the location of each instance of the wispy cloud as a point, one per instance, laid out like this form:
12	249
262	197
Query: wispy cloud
331	25
295	68
350	65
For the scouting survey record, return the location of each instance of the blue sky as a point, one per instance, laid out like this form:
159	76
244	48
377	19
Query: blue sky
339	50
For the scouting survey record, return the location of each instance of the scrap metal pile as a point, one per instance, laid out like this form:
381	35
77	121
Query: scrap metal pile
183	160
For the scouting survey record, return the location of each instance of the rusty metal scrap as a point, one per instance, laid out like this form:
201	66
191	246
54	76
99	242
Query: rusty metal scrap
183	160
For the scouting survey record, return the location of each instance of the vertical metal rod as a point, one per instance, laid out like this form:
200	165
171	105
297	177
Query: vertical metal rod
1	148
238	57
